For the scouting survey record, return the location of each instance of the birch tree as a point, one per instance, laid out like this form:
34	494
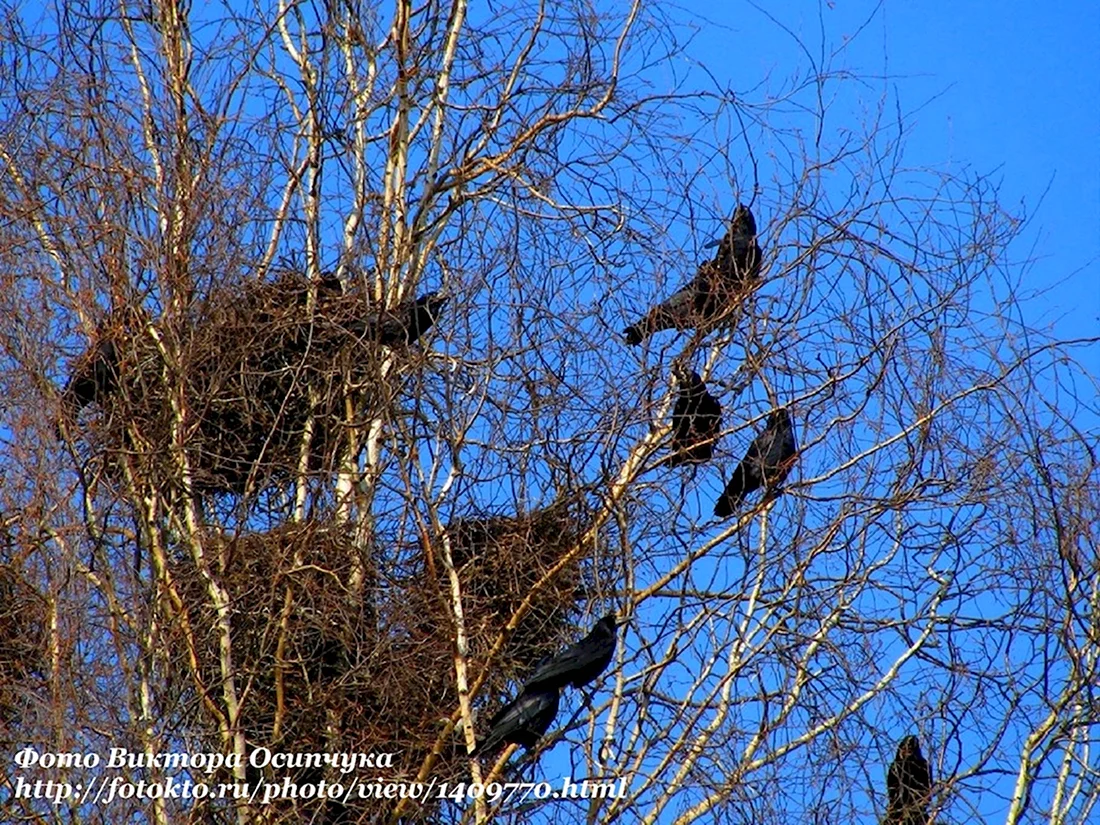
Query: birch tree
267	533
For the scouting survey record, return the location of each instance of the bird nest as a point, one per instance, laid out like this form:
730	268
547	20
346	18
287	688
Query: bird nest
370	668
499	560
303	638
257	386
22	642
297	616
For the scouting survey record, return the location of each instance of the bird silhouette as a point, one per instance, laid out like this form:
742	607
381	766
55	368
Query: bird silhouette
403	324
579	663
94	379
908	785
696	423
769	458
716	287
522	721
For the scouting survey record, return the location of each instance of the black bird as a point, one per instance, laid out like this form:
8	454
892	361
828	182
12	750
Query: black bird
404	324
716	285
94	380
522	721
696	423
329	286
739	254
908	785
767	462
580	663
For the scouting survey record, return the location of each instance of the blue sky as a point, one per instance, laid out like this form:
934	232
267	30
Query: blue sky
1011	95
1007	90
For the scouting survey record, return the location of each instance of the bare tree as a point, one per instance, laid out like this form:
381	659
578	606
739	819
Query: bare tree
261	529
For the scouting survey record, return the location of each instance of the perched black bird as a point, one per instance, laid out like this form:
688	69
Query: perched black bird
908	785
716	285
580	663
402	325
696	423
94	380
329	286
522	721
739	254
767	462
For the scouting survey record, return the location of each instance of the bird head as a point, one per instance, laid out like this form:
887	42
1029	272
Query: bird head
612	621
743	223
682	373
433	301
909	746
779	418
329	285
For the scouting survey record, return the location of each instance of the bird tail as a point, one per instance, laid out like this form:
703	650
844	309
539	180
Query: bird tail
486	745
733	495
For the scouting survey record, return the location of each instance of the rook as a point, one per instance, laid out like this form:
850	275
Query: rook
767	462
404	324
716	285
96	378
580	663
522	721
908	785
696	423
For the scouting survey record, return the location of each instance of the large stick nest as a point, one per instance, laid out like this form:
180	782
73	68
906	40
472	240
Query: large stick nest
22	644
257	369
499	560
304	638
332	665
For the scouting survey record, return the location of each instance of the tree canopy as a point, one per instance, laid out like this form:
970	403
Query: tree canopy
254	503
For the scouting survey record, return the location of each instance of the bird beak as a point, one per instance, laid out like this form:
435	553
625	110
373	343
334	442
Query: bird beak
712	244
620	621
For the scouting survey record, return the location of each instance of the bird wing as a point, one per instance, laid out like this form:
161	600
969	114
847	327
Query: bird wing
694	440
738	257
745	479
94	379
908	785
522	720
557	672
578	664
502	726
424	315
707	418
682	408
680	310
673	312
683	416
747	476
539	716
396	327
778	451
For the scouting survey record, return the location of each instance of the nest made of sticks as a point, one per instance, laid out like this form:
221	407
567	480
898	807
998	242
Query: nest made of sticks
499	560
22	643
371	667
263	368
303	633
297	615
